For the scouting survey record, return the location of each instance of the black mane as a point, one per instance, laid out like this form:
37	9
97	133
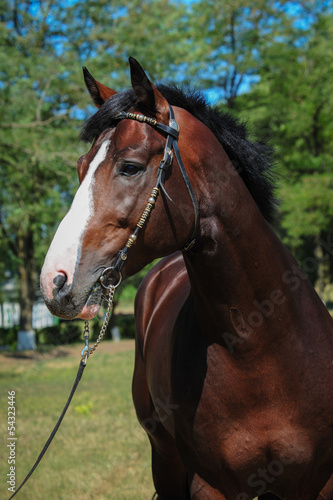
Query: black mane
253	160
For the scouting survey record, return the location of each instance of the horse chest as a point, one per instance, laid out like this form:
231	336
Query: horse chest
233	424
232	430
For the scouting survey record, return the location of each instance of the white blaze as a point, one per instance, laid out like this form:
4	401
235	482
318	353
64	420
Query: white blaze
63	252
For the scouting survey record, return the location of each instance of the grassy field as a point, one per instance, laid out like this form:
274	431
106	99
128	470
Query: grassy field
100	451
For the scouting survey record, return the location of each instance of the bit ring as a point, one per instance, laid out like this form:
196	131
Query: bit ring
103	277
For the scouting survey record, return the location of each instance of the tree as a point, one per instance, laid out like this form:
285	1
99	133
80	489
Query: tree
104	34
37	96
292	106
228	39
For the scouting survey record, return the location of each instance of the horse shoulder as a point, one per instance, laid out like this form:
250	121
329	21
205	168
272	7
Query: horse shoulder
159	299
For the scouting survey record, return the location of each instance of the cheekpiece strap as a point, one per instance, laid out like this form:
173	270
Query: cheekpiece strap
172	132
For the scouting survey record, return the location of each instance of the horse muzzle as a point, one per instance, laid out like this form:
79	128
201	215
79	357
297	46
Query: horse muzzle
72	300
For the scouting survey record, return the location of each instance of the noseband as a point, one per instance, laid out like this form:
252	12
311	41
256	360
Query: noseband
171	146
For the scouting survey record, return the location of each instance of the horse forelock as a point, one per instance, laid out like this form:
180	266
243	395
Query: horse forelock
104	118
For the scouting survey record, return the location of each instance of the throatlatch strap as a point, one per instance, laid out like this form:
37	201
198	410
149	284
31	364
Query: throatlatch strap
53	433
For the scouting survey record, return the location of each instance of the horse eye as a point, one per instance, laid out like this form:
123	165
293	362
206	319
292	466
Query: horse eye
130	170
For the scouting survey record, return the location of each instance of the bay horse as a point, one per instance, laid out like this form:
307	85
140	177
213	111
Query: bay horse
233	378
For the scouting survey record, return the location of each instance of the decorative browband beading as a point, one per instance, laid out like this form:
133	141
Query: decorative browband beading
141	118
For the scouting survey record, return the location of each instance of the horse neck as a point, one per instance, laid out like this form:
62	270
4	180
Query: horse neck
239	267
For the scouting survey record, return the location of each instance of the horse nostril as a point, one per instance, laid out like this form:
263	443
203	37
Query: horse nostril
60	280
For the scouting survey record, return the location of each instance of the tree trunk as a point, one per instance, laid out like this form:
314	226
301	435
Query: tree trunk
323	268
27	278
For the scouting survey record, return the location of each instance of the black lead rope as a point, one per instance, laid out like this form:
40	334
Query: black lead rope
53	433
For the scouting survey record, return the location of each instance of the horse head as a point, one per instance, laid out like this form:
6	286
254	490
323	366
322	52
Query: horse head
116	179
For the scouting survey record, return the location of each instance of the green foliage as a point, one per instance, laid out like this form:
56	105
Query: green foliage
307	208
37	144
225	54
104	34
84	409
8	336
293	101
69	332
126	325
292	107
66	332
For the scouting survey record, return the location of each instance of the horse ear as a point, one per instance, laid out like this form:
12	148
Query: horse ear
99	92
148	94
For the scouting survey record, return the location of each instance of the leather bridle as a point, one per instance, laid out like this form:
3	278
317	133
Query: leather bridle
171	147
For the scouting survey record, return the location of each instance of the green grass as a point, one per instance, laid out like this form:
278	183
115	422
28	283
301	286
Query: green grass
100	451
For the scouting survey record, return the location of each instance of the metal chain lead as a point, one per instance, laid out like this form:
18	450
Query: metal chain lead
88	351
